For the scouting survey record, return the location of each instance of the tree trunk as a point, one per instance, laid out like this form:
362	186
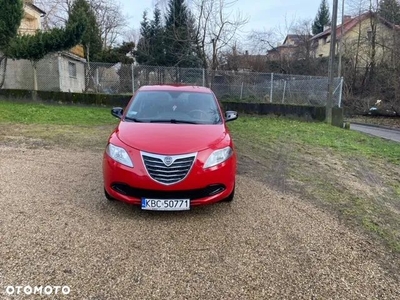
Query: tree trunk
371	77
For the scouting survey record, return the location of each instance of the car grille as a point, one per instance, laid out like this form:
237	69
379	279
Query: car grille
168	169
130	191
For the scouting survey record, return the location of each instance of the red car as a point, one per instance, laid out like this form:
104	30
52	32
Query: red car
171	150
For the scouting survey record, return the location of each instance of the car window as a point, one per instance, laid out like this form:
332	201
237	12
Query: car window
184	107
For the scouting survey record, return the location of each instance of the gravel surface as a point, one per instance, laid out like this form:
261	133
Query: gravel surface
57	229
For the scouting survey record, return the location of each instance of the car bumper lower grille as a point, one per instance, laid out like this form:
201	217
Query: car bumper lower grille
208	191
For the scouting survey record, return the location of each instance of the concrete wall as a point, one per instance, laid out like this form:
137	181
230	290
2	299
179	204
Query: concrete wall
52	74
19	75
69	83
48	74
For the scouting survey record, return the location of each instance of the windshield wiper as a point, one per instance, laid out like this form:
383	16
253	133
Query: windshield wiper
133	119
173	121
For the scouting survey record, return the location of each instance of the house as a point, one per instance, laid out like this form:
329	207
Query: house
355	35
31	21
63	71
295	46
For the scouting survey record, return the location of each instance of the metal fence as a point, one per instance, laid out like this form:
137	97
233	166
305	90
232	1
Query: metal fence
63	74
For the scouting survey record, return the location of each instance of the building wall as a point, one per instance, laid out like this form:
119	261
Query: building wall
350	41
53	74
31	21
70	82
359	40
48	74
19	75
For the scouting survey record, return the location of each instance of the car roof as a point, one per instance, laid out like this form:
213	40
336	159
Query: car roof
180	88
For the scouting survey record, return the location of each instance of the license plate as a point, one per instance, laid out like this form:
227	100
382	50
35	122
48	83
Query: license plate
166	204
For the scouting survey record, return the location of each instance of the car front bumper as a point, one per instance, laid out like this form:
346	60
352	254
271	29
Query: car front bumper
201	186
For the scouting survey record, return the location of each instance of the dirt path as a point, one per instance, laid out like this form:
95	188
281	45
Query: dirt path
56	228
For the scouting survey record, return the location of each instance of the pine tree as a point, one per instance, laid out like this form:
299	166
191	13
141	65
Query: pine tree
151	47
390	11
179	41
91	39
118	54
142	54
322	18
11	14
157	45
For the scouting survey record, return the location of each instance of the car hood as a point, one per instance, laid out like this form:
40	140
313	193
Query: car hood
170	139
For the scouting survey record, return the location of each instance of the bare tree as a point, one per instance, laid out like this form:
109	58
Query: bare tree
131	35
358	7
109	15
259	42
56	12
111	20
218	26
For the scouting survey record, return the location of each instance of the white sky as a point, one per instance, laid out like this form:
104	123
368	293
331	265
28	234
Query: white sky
263	14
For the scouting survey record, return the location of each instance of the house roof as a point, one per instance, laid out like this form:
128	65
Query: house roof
350	24
279	48
33	6
71	56
296	38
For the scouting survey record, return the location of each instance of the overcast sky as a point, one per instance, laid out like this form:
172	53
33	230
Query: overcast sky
263	14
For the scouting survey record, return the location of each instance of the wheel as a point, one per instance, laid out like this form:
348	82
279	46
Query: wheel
231	196
108	196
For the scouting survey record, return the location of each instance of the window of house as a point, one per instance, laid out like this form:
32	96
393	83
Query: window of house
72	69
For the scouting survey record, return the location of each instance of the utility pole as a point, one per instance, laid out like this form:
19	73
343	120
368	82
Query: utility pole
341	43
332	53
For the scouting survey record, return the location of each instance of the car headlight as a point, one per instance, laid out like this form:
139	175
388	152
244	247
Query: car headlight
119	154
218	156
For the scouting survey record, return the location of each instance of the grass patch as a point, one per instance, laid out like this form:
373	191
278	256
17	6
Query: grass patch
265	130
47	125
349	173
56	114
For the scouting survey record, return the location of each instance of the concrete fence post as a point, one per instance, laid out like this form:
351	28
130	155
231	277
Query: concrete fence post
284	91
340	92
272	88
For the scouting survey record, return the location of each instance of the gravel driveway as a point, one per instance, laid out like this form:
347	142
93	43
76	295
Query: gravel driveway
57	229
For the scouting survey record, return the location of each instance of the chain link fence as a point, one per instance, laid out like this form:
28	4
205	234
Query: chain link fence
59	73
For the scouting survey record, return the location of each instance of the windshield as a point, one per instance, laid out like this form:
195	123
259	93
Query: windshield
174	107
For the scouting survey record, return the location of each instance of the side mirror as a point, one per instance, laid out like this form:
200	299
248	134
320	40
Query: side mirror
231	115
117	112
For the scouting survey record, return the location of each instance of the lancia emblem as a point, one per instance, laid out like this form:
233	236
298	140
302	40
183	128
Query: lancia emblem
168	161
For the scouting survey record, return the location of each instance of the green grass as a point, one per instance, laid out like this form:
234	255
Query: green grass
32	113
265	130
